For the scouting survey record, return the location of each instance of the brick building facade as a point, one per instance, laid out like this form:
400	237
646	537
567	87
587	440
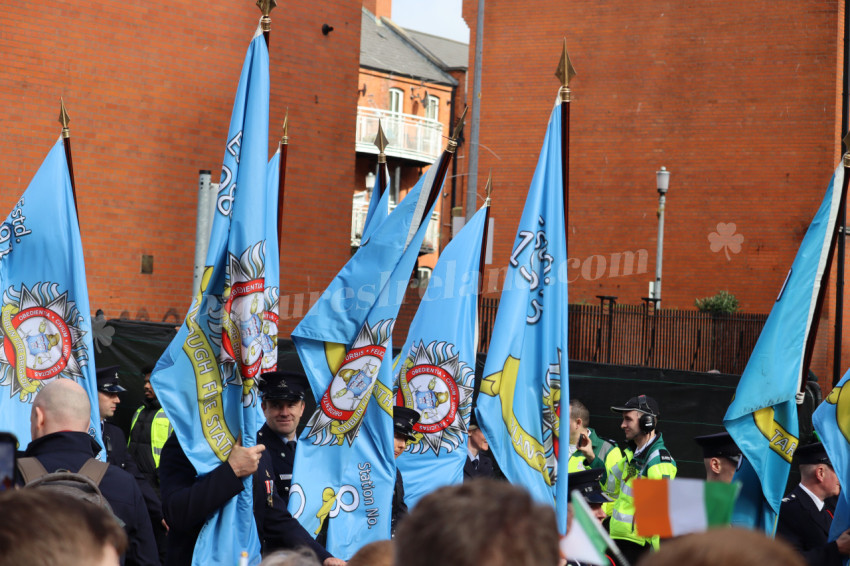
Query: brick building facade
149	87
740	101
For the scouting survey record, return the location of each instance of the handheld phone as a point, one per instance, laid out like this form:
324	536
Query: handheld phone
8	460
582	440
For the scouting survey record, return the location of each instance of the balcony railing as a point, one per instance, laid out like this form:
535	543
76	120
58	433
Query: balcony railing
359	208
410	137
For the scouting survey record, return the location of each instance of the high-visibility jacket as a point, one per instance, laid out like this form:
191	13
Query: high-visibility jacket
654	462
605	455
161	429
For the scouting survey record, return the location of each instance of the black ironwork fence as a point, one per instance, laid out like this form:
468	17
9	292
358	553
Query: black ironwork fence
639	335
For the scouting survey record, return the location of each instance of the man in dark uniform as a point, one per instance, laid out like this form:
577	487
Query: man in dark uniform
403	420
59	422
115	442
720	455
188	500
478	464
283	406
804	519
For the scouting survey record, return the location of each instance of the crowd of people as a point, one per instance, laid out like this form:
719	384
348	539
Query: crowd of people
147	505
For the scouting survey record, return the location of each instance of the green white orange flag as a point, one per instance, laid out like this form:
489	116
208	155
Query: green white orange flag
670	508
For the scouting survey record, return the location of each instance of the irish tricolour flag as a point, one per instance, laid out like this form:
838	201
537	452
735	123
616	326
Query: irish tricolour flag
670	508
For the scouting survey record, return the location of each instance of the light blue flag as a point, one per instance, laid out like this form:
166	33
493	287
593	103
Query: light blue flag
344	470
832	421
436	376
45	325
762	418
379	202
271	312
518	407
205	378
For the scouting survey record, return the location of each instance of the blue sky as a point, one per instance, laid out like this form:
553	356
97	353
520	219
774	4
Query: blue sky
437	17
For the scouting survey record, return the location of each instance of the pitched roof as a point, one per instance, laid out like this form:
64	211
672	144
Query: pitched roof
453	54
386	47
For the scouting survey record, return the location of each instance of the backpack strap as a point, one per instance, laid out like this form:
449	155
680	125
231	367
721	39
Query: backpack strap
31	469
94	469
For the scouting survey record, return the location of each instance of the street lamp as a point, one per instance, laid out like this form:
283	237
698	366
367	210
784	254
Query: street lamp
370	181
662	178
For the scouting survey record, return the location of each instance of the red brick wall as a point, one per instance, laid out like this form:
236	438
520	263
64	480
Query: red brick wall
739	102
149	88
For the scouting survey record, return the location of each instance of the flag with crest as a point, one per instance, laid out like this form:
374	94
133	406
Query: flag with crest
525	375
762	417
344	470
45	325
436	372
205	378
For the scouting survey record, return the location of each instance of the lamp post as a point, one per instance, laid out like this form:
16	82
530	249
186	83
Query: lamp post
662	178
370	182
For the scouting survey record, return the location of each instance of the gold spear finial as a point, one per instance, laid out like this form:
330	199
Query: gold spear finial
285	139
488	187
565	73
381	141
846	141
452	145
266	7
64	119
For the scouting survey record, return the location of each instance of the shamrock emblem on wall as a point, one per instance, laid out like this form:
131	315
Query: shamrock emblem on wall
726	239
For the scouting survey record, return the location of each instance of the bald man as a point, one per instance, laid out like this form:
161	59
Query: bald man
58	422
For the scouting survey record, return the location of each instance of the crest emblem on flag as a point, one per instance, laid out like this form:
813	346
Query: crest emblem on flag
270	322
244	338
434	382
552	415
41	338
344	403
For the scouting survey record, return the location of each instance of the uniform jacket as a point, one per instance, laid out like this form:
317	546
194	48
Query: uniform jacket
282	458
654	462
69	451
399	511
605	453
807	529
117	455
485	468
188	500
149	430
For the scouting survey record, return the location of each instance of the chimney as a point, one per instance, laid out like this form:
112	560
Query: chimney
381	8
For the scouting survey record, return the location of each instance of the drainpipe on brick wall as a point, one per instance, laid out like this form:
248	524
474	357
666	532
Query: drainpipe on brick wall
472	181
842	230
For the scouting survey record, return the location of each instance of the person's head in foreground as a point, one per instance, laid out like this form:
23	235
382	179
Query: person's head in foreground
45	528
726	547
378	553
481	522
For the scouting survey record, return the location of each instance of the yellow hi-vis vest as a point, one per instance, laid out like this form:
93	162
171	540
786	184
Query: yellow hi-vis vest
161	429
606	455
654	462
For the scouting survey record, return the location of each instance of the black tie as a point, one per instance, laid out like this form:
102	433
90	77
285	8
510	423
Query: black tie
289	449
475	464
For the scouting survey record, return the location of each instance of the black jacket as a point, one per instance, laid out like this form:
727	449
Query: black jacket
807	529
282	458
399	510
117	454
485	468
70	450
188	500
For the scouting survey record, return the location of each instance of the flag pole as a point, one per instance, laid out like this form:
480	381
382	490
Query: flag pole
443	166
266	7
382	175
64	119
484	236
565	73
810	339
281	178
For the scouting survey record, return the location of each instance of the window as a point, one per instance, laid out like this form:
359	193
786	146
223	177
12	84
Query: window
396	100
432	108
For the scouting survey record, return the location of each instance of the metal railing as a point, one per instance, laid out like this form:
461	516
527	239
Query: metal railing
637	335
359	208
410	137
